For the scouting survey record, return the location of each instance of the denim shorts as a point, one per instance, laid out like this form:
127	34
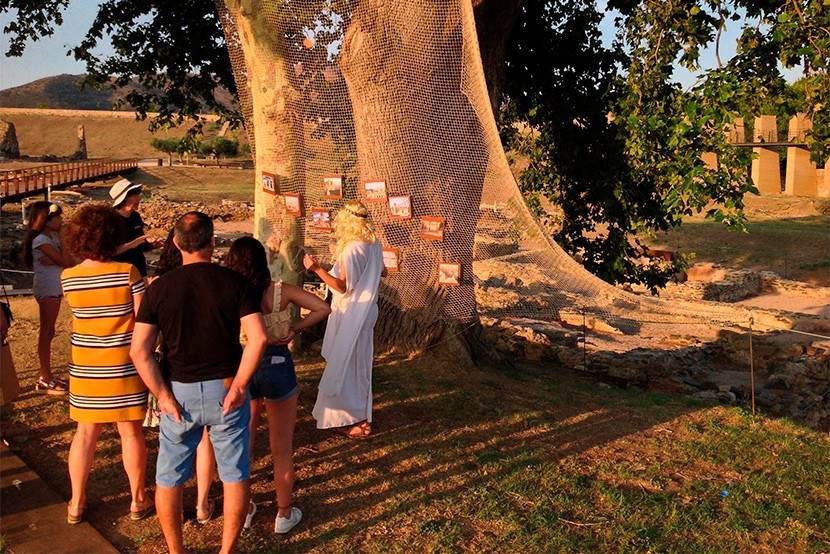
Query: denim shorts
275	379
202	407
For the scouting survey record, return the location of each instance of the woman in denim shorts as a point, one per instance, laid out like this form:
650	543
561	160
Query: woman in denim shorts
275	382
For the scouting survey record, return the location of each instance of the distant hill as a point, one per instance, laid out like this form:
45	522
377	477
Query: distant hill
61	93
58	93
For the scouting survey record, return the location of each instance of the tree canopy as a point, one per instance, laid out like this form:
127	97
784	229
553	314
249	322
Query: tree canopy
610	138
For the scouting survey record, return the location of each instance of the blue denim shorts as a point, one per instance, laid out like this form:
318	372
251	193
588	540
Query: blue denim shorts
202	407
275	379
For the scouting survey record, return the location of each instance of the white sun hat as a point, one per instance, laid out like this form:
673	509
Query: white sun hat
121	189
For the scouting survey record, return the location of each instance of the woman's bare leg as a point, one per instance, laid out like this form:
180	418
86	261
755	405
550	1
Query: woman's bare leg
81	453
134	457
49	308
282	418
205	469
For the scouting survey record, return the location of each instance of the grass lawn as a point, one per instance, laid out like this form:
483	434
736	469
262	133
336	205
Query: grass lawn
198	184
516	459
785	234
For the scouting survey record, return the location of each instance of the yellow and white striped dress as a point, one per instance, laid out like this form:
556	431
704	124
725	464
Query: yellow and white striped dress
103	383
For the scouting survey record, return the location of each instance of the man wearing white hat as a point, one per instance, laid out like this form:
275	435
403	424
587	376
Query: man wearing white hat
126	197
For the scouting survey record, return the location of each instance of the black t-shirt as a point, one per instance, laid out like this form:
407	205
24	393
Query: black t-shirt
133	228
197	308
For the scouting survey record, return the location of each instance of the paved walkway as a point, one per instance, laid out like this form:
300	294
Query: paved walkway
33	516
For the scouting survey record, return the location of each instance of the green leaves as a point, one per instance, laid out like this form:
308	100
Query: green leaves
32	20
644	172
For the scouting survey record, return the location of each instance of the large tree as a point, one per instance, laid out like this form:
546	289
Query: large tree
614	176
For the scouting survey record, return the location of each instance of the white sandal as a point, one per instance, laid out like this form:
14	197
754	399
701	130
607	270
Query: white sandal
250	516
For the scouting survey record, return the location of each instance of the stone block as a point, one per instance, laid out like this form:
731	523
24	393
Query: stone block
737	131
710	160
823	178
766	172
798	127
801	173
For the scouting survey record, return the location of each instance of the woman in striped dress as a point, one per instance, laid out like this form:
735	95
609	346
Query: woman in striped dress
104	297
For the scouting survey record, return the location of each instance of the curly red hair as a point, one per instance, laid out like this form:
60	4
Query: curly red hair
94	232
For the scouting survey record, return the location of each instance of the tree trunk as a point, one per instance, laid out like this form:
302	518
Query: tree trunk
278	135
495	20
405	65
411	116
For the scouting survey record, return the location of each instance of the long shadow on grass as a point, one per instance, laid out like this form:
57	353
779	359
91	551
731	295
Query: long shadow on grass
444	437
40	432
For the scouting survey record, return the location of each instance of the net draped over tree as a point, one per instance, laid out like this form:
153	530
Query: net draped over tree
375	91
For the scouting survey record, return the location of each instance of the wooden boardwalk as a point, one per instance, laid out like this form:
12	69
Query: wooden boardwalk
19	183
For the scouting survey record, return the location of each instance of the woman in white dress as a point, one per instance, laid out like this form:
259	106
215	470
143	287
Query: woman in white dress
344	398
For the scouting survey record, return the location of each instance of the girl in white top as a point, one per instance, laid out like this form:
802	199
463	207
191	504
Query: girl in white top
275	383
43	252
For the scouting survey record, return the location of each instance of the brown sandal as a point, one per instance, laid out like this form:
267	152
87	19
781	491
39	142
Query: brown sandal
357	431
139	511
208	509
76	518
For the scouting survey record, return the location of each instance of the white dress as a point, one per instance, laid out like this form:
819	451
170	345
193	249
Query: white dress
345	393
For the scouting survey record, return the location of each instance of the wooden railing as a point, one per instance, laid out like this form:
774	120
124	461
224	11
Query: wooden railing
31	180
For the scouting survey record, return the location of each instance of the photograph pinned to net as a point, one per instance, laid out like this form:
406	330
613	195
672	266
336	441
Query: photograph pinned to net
449	274
321	219
375	191
432	228
293	206
391	259
269	183
333	186
400	207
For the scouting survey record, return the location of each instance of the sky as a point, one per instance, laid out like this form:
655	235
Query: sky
47	57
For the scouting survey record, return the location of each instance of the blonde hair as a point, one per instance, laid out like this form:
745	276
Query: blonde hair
352	223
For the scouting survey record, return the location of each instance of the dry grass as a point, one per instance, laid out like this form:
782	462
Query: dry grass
114	135
787	235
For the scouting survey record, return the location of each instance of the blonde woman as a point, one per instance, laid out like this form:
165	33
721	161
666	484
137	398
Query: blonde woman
344	398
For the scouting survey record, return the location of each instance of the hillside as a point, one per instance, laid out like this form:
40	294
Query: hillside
61	92
109	134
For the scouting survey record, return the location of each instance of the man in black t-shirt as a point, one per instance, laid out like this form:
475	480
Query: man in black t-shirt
199	310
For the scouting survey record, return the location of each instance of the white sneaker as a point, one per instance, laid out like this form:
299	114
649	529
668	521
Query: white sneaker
250	516
285	524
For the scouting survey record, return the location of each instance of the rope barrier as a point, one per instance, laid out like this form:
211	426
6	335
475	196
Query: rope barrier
719	323
800	413
826	337
465	329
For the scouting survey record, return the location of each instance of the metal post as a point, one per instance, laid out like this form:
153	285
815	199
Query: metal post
751	367
584	344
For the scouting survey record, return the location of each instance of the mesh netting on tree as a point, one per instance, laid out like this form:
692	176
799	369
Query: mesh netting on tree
371	91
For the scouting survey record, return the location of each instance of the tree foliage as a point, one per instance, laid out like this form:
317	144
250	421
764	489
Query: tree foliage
174	51
218	147
168	146
639	170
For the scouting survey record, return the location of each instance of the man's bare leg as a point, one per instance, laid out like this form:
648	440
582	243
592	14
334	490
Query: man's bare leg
169	510
237	498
